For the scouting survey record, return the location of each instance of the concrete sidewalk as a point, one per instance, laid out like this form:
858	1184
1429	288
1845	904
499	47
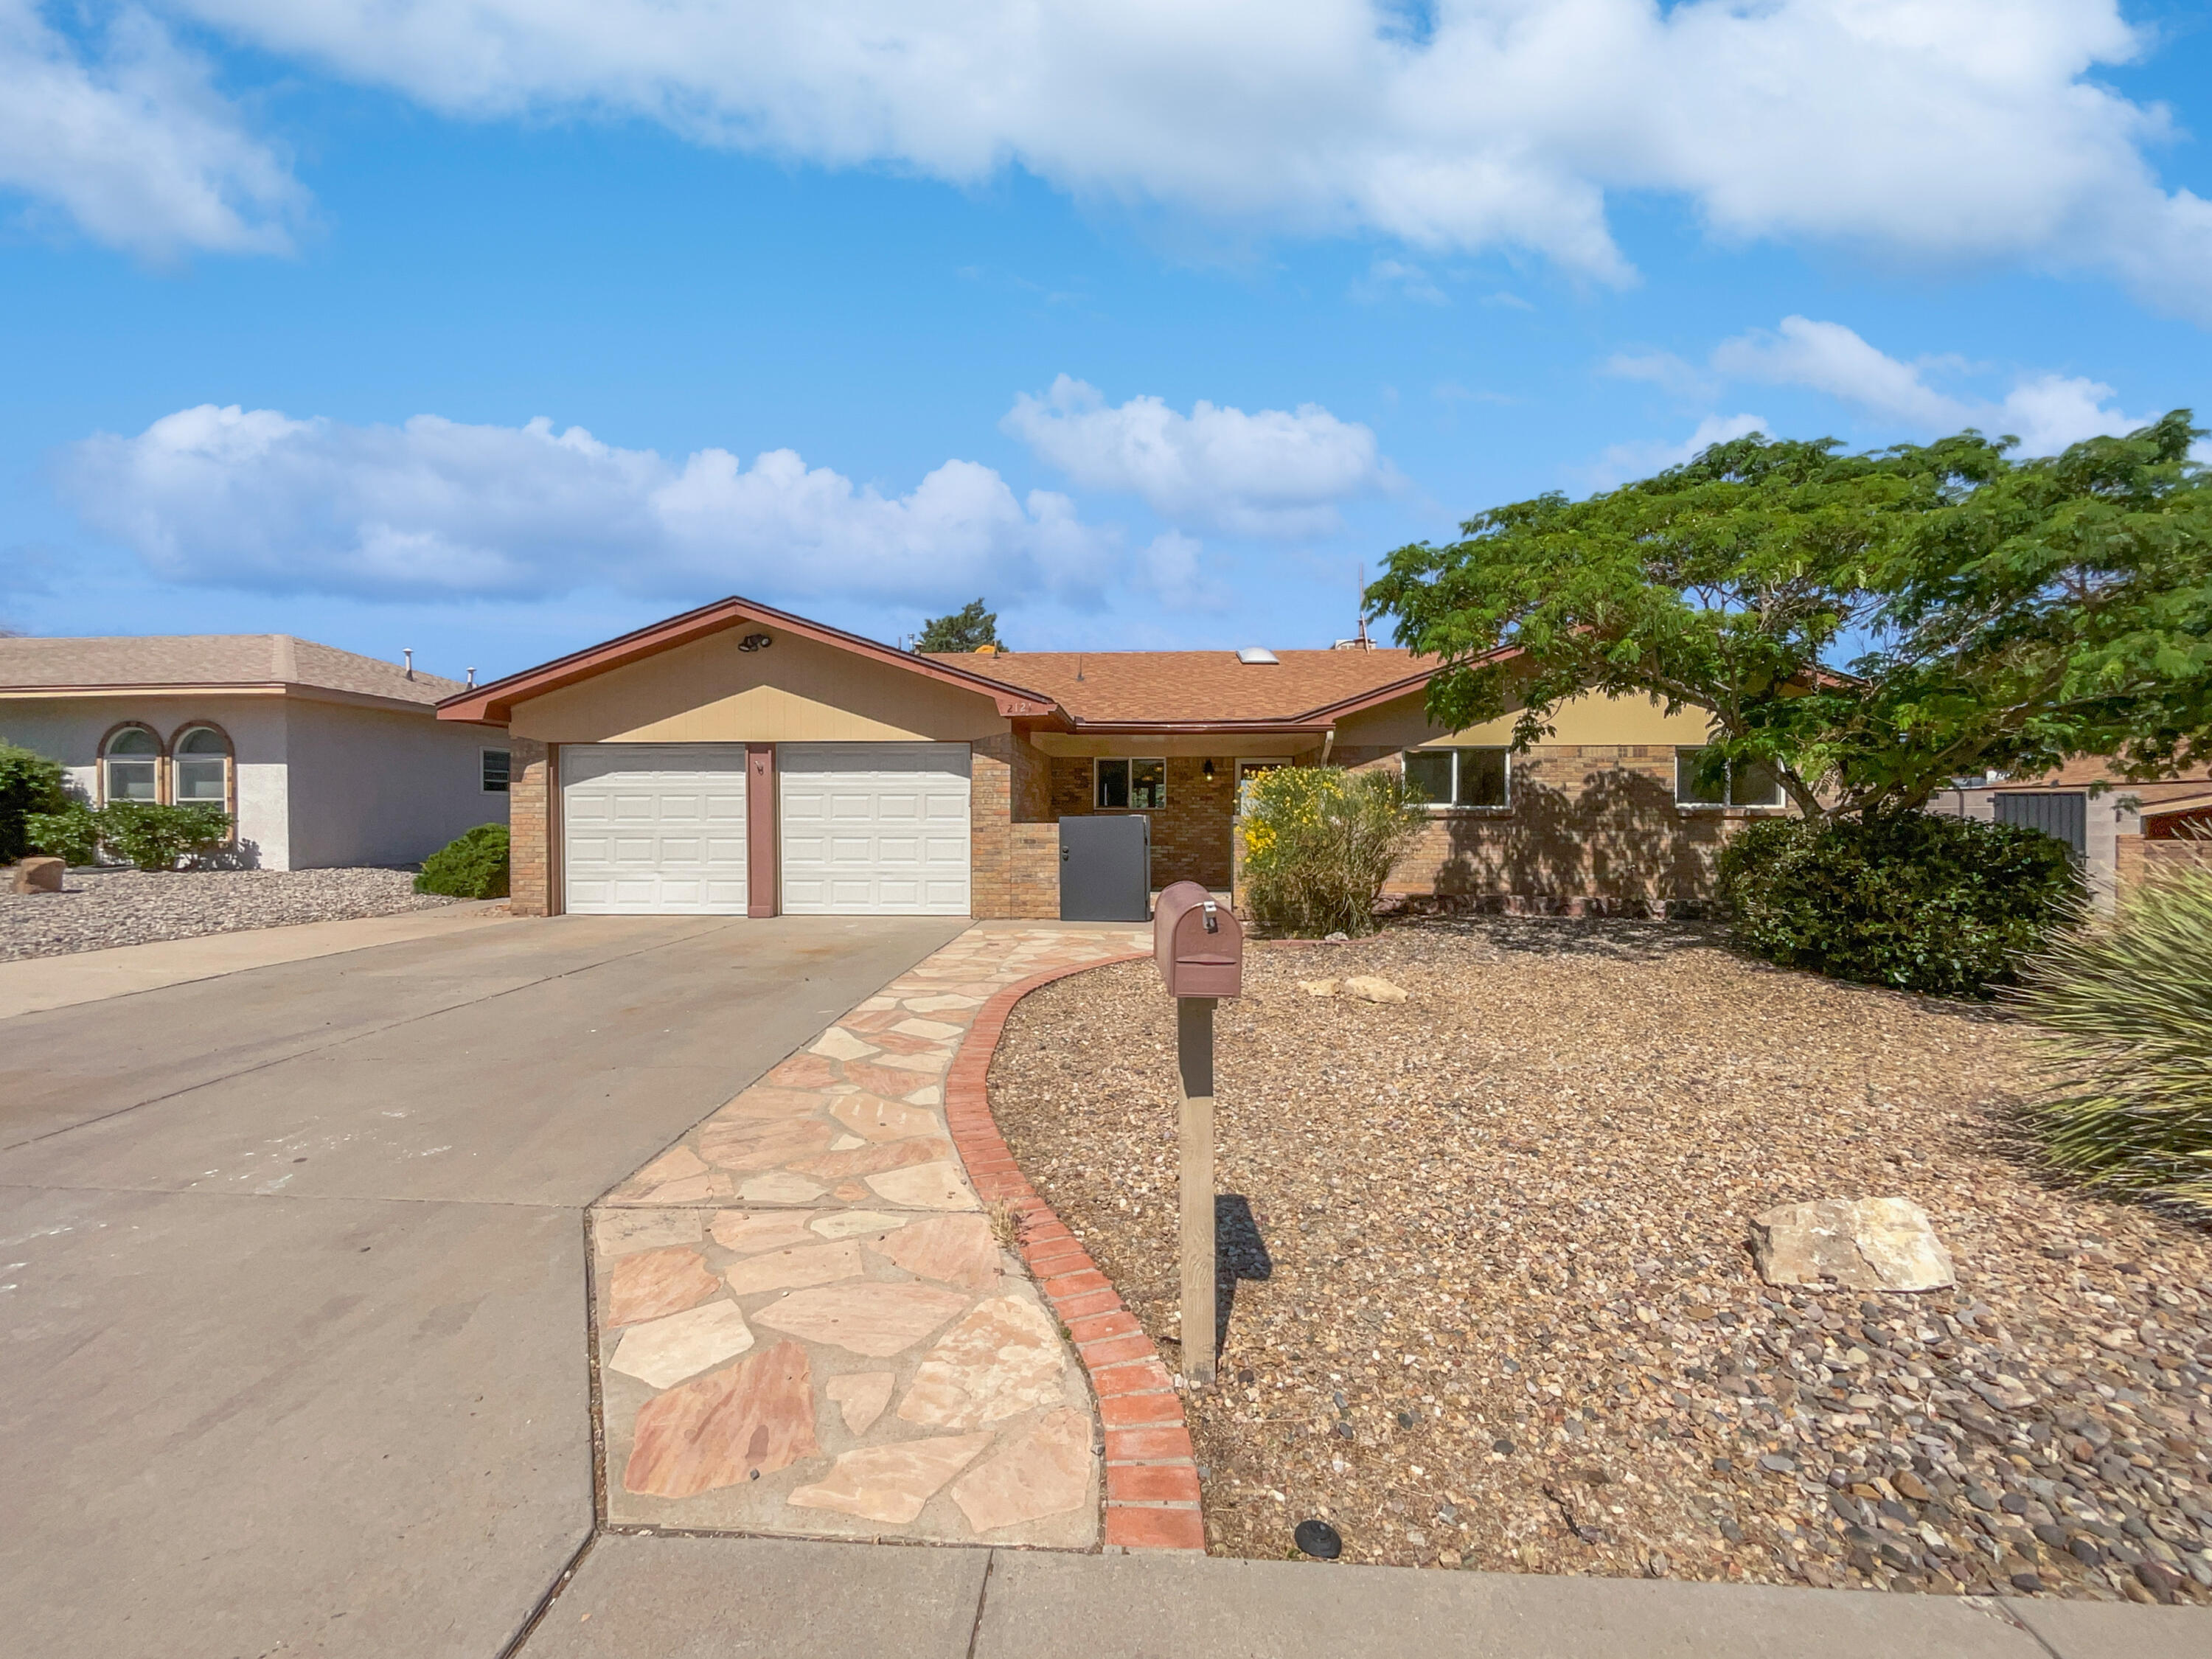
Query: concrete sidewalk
37	983
669	1597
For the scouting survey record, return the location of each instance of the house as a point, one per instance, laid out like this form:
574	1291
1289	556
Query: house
2118	831
738	760
321	757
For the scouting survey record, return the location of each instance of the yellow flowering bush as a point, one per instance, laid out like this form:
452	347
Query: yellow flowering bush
1318	843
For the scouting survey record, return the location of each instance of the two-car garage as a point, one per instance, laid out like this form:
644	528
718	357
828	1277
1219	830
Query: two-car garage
861	828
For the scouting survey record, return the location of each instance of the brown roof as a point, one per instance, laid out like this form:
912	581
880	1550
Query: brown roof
1175	688
135	662
2085	769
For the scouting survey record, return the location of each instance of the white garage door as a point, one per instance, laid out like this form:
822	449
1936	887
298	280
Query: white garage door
654	829
874	828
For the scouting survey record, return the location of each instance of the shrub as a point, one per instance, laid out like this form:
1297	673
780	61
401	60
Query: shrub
1946	906
157	837
70	833
2126	1012
1318	843
30	786
471	866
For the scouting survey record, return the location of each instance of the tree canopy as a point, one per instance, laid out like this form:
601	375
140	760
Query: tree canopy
967	629
1869	626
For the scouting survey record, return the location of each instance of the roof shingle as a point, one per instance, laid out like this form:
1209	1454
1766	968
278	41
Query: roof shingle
1146	686
208	659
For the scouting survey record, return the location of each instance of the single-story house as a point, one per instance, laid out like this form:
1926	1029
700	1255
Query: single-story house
2116	829
738	760
321	758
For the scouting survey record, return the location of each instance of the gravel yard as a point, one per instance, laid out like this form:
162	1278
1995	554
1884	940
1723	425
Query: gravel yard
1493	1305
97	909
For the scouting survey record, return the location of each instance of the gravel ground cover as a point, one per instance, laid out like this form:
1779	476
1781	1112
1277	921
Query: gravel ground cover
1489	1300
98	908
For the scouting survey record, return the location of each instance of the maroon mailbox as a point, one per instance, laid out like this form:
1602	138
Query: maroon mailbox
1197	943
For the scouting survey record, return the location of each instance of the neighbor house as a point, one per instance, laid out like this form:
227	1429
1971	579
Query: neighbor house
2118	831
321	757
737	760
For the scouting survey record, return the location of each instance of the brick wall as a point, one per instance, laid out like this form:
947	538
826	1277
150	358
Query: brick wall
1035	878
1586	822
530	864
1190	833
990	789
2138	858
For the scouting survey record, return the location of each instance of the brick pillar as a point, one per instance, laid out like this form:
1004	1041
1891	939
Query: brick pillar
530	828
990	792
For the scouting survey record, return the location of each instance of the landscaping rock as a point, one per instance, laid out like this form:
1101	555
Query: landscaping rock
1859	1245
1367	988
1320	988
38	875
95	909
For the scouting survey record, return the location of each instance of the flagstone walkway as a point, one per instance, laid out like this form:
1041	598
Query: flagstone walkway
808	1324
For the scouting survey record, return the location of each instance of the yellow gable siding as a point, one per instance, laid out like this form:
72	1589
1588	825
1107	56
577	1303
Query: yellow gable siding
1587	720
795	691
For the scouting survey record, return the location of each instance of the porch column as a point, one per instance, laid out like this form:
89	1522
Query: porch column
763	848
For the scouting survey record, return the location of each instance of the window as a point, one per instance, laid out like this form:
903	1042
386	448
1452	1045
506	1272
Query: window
1122	784
130	765
1248	774
203	767
1741	783
1460	777
496	763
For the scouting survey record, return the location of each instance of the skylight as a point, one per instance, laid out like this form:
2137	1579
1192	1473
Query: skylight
1257	653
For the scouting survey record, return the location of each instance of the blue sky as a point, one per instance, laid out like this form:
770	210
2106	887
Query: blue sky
1152	326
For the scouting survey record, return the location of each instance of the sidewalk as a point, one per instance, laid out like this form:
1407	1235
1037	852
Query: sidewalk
640	1597
37	983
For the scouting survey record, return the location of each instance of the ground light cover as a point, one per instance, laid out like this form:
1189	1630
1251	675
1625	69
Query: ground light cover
1490	1303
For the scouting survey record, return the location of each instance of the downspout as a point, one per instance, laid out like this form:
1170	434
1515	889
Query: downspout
1328	742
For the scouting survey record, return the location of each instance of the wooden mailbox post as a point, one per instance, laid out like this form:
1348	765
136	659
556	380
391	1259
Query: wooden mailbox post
1199	949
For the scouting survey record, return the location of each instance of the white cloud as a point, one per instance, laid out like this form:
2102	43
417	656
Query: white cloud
1392	279
2046	412
1663	369
132	143
1971	130
1276	473
435	509
1622	462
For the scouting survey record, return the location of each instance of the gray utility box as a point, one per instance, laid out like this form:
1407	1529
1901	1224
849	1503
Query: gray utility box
1106	868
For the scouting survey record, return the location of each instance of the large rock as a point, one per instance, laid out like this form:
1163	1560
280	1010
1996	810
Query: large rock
1858	1244
35	875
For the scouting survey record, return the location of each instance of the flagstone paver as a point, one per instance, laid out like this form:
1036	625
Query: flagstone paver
807	1323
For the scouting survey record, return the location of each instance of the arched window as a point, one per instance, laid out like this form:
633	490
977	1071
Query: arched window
203	767
130	765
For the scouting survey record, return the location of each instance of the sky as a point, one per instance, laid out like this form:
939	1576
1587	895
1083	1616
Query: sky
493	328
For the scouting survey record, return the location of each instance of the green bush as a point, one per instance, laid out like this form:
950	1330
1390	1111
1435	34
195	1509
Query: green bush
70	833
159	837
2126	1012
1946	906
30	785
1318	843
473	866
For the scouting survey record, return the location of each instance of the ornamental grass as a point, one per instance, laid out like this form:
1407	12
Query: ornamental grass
2125	1009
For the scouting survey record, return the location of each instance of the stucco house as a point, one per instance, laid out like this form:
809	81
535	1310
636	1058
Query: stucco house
2118	831
738	760
320	756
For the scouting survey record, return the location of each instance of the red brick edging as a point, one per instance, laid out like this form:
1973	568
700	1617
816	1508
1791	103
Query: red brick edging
1151	1477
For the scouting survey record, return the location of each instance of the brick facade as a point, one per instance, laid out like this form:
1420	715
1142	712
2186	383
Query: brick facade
530	830
990	848
1590	824
1190	833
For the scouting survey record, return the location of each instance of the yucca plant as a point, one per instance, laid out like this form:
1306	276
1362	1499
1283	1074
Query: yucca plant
2125	1009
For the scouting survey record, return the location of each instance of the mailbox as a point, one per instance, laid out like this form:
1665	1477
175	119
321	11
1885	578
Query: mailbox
1198	943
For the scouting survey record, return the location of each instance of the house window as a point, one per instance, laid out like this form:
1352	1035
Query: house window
1737	783
130	765
495	764
1460	777
1120	785
203	767
1248	773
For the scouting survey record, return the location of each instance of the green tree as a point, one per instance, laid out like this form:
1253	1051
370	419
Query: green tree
2004	613
967	628
29	784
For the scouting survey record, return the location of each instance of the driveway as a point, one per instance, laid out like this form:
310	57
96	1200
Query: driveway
292	1270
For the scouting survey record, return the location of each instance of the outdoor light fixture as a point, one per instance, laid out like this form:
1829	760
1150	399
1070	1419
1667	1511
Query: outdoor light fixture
1208	770
755	642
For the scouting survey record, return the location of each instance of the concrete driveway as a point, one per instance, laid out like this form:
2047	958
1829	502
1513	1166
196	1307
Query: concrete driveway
292	1280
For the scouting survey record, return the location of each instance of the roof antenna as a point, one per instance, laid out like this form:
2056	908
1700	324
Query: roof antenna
1079	668
408	652
1365	644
